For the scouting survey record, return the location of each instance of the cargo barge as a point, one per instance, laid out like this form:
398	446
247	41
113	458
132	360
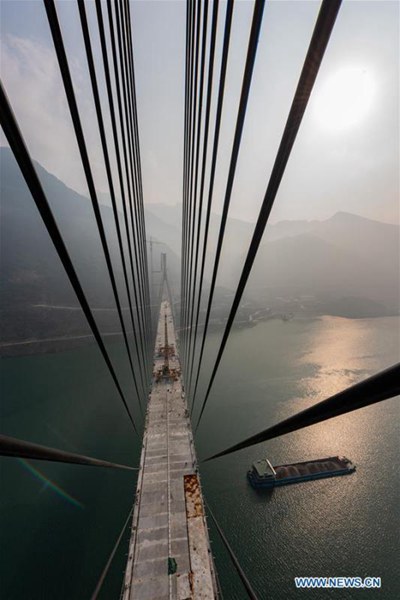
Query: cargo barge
263	474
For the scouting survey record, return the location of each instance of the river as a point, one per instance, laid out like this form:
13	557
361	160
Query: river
59	522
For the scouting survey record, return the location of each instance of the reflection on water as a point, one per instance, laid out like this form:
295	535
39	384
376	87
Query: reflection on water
59	521
343	526
49	484
334	351
329	527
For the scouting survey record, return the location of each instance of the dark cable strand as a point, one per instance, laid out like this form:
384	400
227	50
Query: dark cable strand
106	67
184	180
319	41
128	196
134	177
382	386
246	583
196	123
185	173
214	24
247	77
192	207
141	235
190	5
16	448
100	121
107	566
192	183
17	145
130	163
221	92
189	121
196	231
244	96
73	107
136	130
141	215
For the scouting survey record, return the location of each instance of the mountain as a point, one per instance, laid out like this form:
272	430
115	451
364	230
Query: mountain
344	258
345	265
36	298
165	222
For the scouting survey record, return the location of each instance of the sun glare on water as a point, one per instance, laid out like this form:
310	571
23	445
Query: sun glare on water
344	99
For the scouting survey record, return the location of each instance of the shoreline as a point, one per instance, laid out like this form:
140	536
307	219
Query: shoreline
54	345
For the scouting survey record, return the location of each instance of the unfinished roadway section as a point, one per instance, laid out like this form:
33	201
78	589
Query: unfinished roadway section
169	552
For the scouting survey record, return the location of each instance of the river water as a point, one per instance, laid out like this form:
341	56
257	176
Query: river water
59	522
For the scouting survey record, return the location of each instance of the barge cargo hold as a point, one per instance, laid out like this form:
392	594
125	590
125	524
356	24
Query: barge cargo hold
263	474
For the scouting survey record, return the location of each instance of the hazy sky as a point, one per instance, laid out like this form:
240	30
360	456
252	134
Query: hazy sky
347	152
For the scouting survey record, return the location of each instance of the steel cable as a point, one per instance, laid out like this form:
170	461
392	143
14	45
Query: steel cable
221	91
191	204
18	147
185	143
14	447
126	198
244	96
73	107
191	6
107	566
246	583
132	186
100	121
319	41
379	387
110	97
196	233
139	165
122	46
214	24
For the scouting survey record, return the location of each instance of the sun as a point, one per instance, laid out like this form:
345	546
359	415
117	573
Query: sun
344	99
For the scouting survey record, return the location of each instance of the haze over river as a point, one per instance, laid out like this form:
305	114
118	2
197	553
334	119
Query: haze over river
59	522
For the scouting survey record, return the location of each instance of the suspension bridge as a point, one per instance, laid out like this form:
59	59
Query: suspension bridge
169	554
169	526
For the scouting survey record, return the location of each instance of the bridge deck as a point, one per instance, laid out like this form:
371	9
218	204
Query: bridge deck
169	552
